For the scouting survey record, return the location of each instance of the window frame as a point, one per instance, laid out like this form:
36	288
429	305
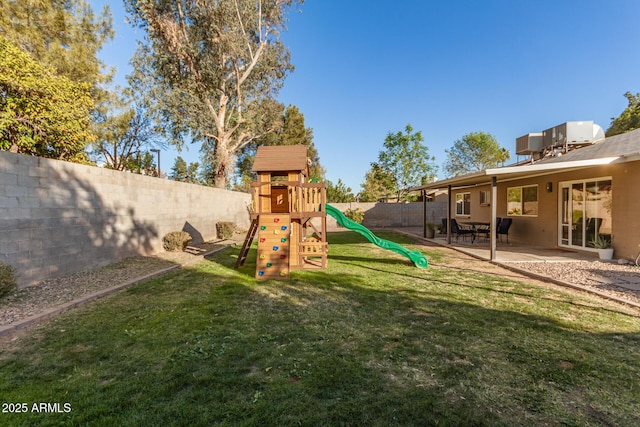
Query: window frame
462	203
485	198
522	200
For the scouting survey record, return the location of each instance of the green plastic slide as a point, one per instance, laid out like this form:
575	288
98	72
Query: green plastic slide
416	257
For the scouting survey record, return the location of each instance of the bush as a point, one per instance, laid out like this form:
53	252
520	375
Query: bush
225	229
7	279
176	240
355	215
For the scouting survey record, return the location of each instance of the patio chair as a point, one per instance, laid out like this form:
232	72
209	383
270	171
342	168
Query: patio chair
503	228
484	231
460	230
442	229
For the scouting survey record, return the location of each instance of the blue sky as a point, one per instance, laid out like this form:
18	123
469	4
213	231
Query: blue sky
506	67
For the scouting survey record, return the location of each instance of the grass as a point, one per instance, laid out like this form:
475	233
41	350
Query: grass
371	341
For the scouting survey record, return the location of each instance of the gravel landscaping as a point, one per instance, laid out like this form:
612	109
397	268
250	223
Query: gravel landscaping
621	281
34	300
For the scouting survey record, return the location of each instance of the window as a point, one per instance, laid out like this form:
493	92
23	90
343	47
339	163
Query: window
522	201
485	198
463	204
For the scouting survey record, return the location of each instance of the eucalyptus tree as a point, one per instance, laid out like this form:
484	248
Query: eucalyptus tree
207	68
290	129
476	151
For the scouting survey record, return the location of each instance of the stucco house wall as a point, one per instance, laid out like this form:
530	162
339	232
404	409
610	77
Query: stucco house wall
543	229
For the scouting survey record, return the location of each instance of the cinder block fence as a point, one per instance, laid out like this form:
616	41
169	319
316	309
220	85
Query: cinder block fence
58	218
383	215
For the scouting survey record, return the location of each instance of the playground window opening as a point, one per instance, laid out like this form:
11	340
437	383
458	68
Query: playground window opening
463	204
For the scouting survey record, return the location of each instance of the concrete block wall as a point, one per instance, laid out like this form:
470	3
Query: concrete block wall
382	215
58	218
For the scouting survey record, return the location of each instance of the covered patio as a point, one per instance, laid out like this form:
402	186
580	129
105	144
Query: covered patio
507	252
491	179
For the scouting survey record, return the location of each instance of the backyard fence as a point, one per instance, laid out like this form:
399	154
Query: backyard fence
58	218
393	215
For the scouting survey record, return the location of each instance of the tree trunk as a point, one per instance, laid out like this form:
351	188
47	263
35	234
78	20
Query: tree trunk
223	159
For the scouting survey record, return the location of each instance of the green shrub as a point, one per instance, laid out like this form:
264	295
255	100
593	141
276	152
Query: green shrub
176	240
7	279
225	229
355	215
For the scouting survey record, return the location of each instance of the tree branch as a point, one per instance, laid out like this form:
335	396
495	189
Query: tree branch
244	33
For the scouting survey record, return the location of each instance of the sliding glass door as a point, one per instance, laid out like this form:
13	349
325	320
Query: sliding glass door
585	212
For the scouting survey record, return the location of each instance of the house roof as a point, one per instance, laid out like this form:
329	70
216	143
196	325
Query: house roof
623	145
616	149
281	158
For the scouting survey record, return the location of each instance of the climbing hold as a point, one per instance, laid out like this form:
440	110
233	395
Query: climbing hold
276	219
262	256
283	240
269	264
260	273
276	231
262	239
284	227
283	273
263	227
283	256
275	248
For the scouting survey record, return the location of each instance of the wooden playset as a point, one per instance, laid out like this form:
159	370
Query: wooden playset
287	213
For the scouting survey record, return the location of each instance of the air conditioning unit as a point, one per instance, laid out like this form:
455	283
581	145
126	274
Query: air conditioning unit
570	133
529	143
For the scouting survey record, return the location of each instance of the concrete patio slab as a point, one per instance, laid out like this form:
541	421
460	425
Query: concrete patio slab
506	252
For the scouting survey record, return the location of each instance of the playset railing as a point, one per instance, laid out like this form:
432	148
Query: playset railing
303	197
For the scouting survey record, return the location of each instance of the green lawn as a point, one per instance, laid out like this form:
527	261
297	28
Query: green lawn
371	341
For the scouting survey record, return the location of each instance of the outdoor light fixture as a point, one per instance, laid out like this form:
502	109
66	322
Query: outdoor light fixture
549	187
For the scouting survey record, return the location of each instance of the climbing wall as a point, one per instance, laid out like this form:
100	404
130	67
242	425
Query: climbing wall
274	232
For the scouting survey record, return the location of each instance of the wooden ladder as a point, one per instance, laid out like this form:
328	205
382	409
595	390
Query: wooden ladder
242	257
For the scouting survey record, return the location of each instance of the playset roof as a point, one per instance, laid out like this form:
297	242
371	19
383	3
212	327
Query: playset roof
281	158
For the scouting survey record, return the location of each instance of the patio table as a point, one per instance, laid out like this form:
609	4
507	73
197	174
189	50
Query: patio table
475	225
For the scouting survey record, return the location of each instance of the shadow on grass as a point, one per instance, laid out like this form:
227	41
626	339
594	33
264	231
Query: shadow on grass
378	263
210	345
475	275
